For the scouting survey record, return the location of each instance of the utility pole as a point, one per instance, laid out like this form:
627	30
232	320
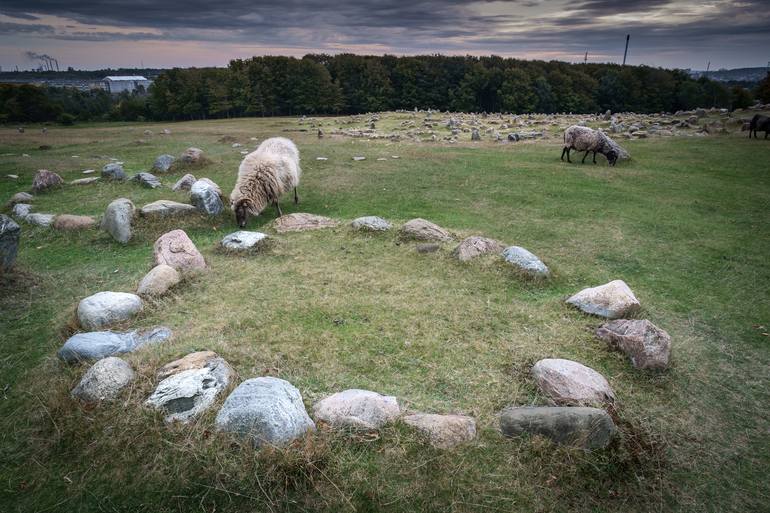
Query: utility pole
625	54
585	59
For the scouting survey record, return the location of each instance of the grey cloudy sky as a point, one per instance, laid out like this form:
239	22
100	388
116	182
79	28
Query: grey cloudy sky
156	33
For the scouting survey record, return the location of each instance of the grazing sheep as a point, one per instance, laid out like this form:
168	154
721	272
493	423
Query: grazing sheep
280	146
582	138
761	123
263	177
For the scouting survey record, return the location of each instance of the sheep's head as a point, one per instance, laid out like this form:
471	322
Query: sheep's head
612	157
242	209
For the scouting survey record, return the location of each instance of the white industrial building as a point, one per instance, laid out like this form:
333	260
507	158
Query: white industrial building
130	83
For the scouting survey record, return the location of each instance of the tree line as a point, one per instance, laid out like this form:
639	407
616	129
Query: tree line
352	84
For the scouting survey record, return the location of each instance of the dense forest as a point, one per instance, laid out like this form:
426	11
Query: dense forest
350	84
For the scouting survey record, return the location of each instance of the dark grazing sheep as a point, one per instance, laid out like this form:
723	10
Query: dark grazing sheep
761	123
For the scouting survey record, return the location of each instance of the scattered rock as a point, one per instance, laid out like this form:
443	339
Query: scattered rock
371	224
117	219
21	210
13	177
146	180
611	300
19	197
89	171
104	381
177	250
567	382
163	163
72	222
360	409
197	360
427	248
166	208
184	183
444	431
525	261
85	181
206	196
475	136
648	346
158	281
300	222
185	394
9	242
420	229
587	428
244	241
44	220
105	308
98	344
359	158
267	410
113	171
45	180
192	156
475	246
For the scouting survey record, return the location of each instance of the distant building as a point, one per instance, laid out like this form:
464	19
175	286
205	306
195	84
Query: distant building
130	83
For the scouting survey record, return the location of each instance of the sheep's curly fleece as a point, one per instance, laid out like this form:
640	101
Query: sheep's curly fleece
266	174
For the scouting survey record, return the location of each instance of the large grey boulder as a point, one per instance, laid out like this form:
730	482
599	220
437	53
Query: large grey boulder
472	247
525	261
420	229
175	249
104	380
148	180
166	208
184	183
117	219
192	156
9	242
443	431
244	241
45	180
21	210
185	394
206	196
163	163
611	300
360	409
106	308
267	410
44	220
646	345
113	171
98	344
587	428
370	224
568	382
300	222
158	281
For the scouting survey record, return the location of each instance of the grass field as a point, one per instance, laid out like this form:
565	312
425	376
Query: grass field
684	223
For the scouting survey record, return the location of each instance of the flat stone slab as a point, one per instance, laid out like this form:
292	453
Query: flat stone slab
370	224
106	308
587	428
104	381
472	247
185	394
359	409
85	181
568	382
611	300
300	222
443	431
420	229
525	261
158	281
244	241
646	345
73	222
99	344
267	410
166	208
175	249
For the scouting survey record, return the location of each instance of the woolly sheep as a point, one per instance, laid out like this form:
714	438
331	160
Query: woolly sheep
263	177
761	123
280	146
585	139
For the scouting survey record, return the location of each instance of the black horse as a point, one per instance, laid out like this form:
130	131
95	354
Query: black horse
761	123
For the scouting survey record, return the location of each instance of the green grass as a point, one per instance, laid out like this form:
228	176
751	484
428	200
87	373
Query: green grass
685	224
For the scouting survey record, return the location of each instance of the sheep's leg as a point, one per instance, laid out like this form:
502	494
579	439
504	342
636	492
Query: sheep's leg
568	150
278	208
594	157
564	150
584	157
296	198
